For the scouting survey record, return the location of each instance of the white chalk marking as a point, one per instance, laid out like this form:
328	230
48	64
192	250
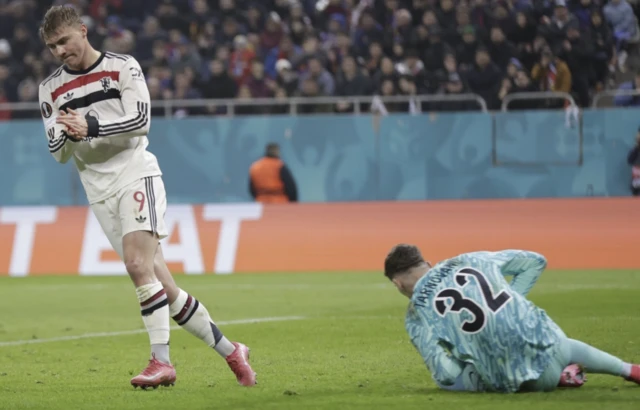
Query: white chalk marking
138	331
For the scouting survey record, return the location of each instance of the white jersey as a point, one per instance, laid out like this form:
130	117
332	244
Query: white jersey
113	95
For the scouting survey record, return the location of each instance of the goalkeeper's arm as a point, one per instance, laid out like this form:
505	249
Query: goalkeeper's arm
525	267
448	372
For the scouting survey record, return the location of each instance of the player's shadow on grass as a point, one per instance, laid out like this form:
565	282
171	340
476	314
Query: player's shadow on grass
587	394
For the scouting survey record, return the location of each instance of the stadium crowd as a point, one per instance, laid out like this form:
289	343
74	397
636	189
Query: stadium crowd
244	49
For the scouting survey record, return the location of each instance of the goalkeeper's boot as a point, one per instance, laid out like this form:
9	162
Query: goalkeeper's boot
156	374
635	374
572	376
238	361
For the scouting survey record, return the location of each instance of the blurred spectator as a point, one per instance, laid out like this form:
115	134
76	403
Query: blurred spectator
22	43
182	88
27	92
629	100
286	78
310	49
320	75
260	86
466	50
279	48
552	74
524	31
604	50
368	31
311	89
386	72
513	67
452	87
151	32
4	115
241	58
411	66
577	52
388	89
520	83
620	16
285	50
119	39
351	81
500	49
484	79
220	84
434	55
272	33
373	58
633	159
554	29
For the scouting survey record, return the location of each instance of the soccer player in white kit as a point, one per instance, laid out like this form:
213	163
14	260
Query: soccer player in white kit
96	110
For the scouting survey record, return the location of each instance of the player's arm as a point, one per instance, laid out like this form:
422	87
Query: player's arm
524	266
60	146
136	103
448	372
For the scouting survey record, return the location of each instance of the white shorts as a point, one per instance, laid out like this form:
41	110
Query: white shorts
139	206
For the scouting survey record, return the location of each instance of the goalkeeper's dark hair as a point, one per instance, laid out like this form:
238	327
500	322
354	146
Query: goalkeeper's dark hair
401	259
58	17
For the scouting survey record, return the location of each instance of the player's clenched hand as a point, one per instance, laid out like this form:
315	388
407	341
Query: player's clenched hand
77	127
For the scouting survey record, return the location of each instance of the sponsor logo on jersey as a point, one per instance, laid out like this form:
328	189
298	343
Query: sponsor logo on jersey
136	73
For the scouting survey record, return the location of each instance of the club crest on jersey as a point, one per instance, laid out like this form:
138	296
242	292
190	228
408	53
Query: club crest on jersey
106	84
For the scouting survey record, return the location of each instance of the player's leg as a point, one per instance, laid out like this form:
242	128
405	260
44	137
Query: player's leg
108	215
192	315
189	312
549	380
142	229
139	248
599	362
568	354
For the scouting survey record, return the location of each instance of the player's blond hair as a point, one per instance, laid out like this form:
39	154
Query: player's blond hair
56	18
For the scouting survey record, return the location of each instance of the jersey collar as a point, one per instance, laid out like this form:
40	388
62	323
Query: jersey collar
86	70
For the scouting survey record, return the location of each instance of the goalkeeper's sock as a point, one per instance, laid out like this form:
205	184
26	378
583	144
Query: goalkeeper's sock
155	315
597	361
189	313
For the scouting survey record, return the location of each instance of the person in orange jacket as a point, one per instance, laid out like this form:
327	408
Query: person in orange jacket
270	180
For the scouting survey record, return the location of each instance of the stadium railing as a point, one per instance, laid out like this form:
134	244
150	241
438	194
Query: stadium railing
540	95
293	104
361	104
608	96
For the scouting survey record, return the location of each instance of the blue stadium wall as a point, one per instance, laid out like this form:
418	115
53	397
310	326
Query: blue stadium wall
357	158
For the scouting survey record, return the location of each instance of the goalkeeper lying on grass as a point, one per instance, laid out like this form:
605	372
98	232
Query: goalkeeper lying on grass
476	332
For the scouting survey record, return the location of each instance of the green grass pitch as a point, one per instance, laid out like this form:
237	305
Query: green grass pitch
335	341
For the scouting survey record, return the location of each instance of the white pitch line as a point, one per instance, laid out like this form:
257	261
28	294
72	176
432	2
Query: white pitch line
219	286
137	331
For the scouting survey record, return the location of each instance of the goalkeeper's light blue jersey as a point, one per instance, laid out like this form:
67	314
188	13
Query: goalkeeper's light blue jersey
463	312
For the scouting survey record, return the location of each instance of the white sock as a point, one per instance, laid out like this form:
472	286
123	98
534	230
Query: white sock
155	315
189	313
626	369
